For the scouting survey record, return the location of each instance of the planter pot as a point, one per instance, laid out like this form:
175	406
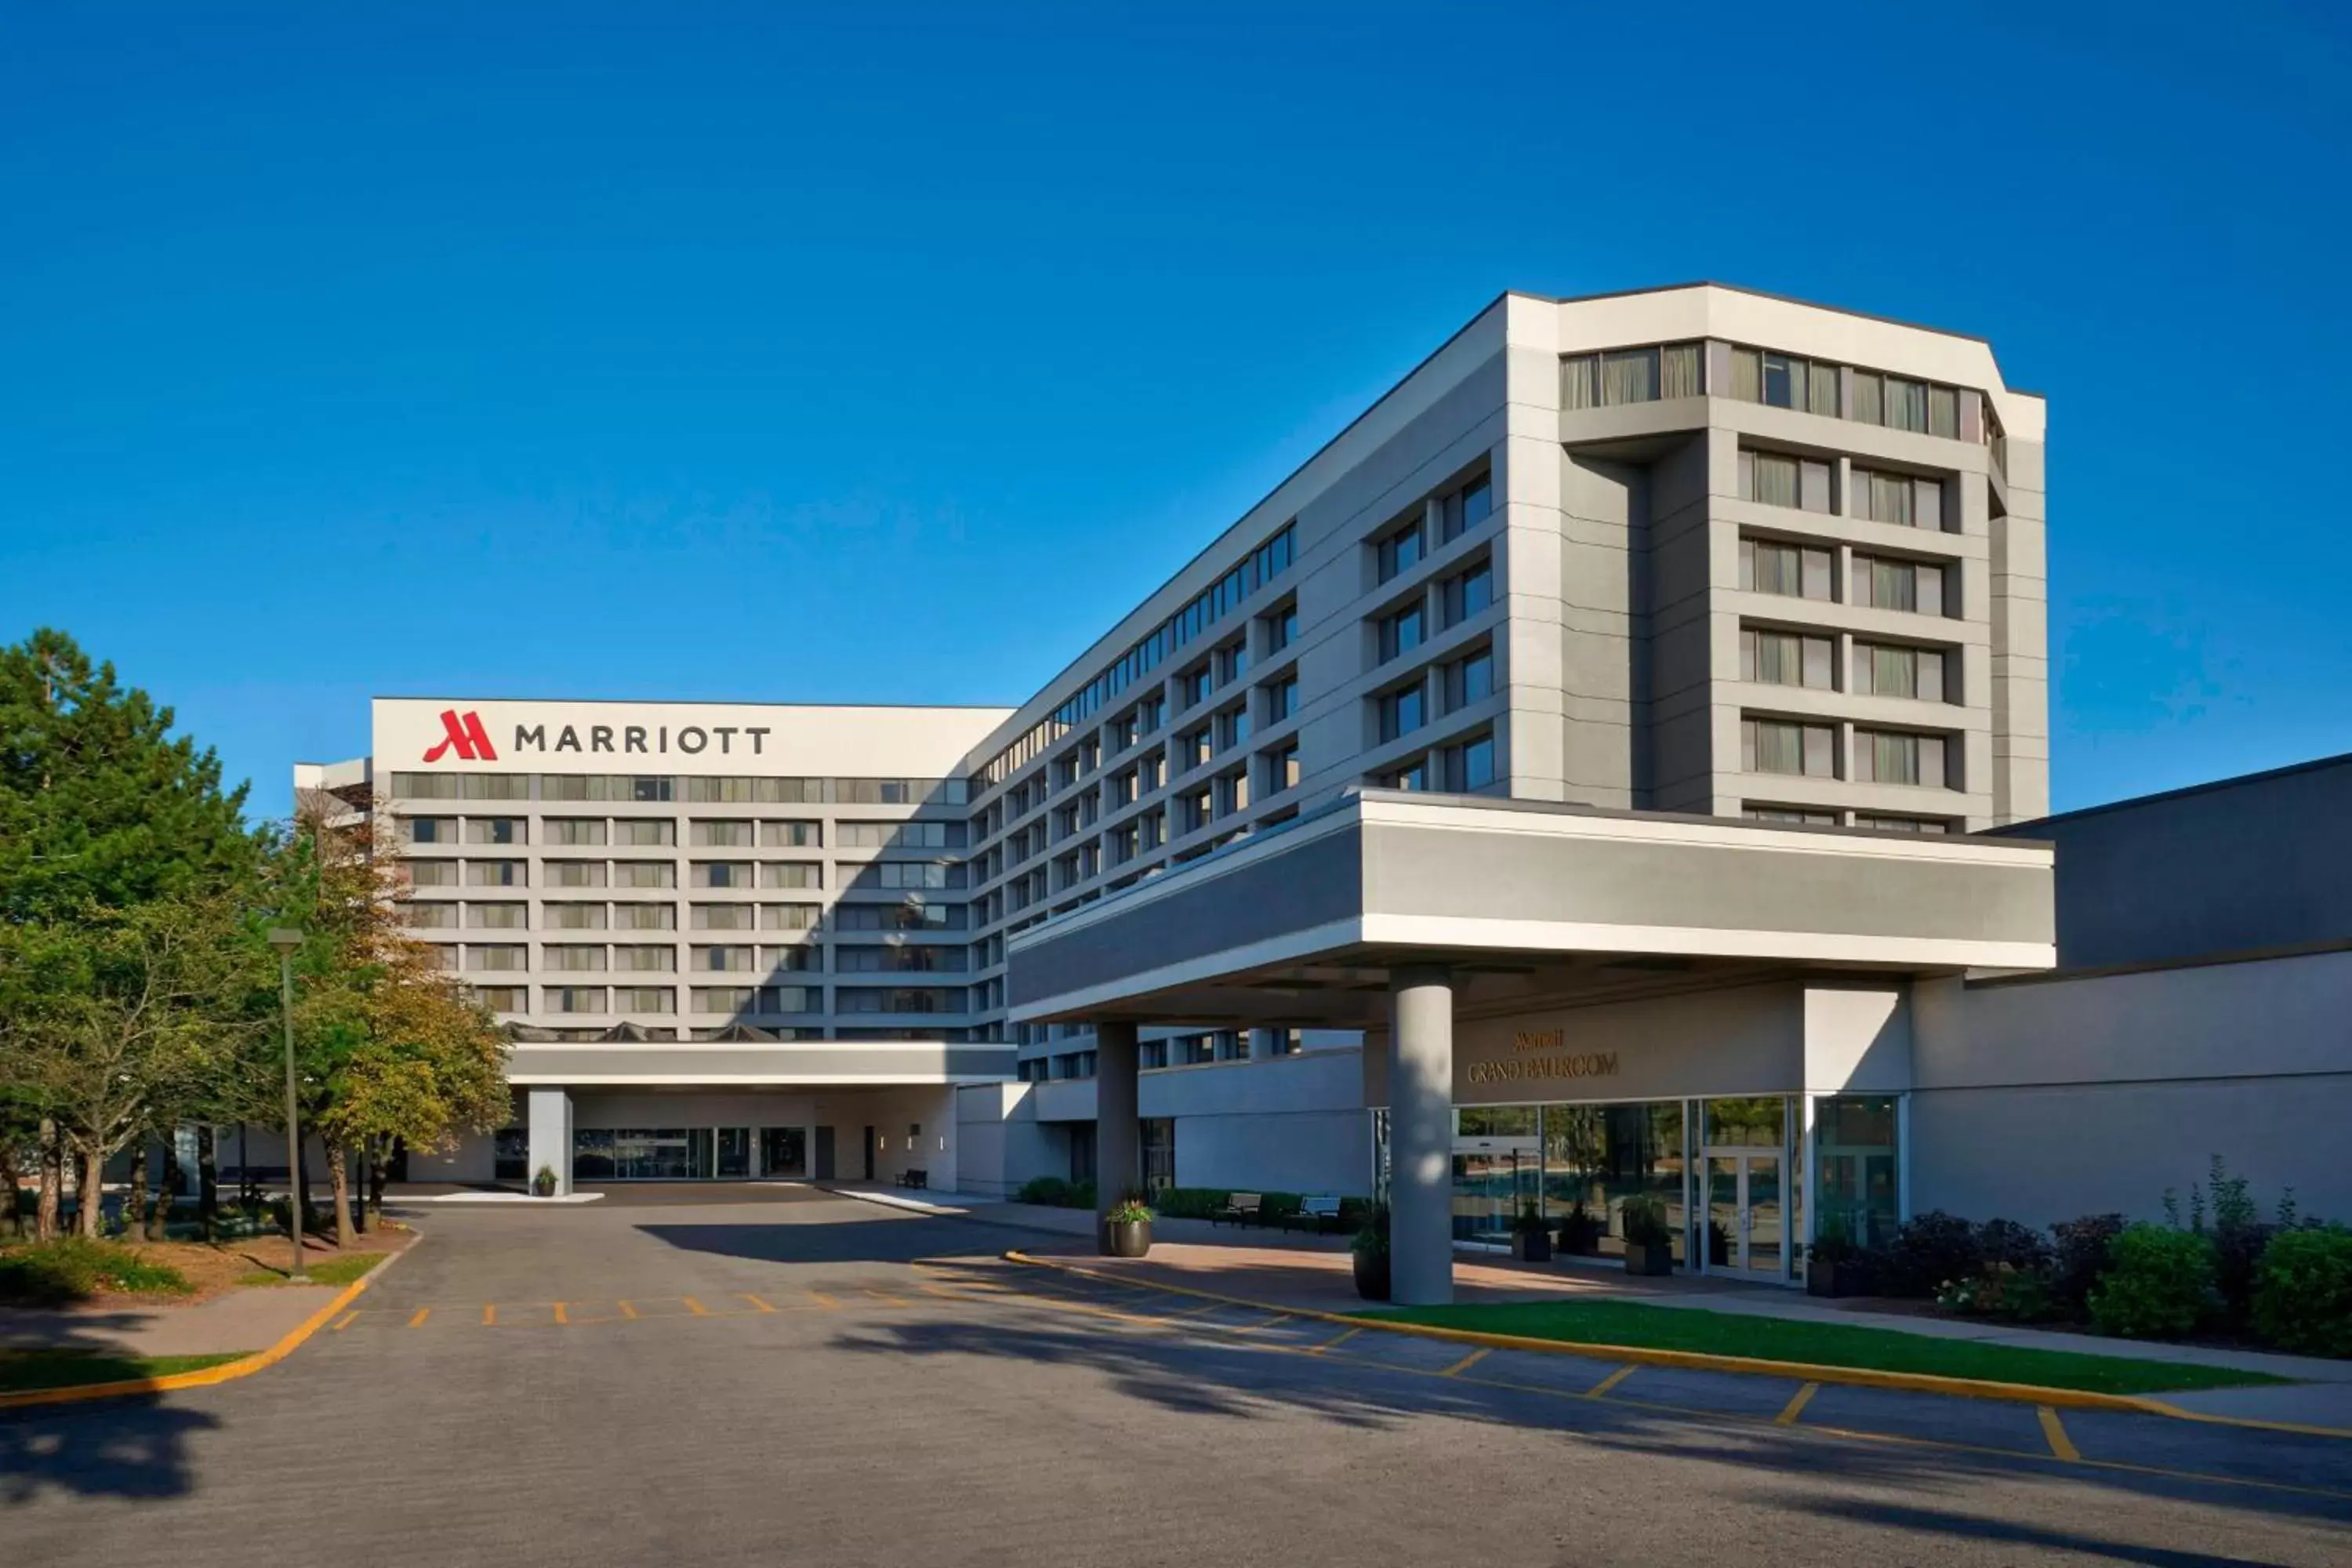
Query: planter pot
1650	1260
1834	1279
1372	1275
544	1189
1531	1246
1125	1239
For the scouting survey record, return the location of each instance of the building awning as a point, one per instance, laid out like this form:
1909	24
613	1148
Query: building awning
1529	903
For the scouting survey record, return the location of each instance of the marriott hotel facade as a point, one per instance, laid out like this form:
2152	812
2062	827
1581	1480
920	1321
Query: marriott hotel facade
1616	764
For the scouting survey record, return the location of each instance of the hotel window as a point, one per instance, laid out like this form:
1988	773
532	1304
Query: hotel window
573	958
574	873
430	873
1154	827
649	788
429	830
1153	770
1899	498
645	999
441	956
1232	663
424	786
1397	552
1464	509
800	958
791	999
646	958
1150	714
645	835
1282	768
1881	671
724	1000
908	960
1194	810
1281	628
721	959
504	998
645	917
1413	775
1630	375
429	917
1122	789
1775	478
497	955
497	917
1466	594
1468	679
1402	711
1785	659
794	917
1882	584
892	835
575	830
897	999
1467	765
1122	731
905	873
495	874
1233	793
1402	632
721	917
573	998
1795	571
572	917
790	874
1232	728
1778	746
790	836
1944	412
1194	686
1281	700
1790	814
1903	824
1887	756
722	835
720	874
495	830
1196	746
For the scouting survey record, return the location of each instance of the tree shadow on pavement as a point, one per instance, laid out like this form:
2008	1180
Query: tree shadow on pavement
135	1447
789	1238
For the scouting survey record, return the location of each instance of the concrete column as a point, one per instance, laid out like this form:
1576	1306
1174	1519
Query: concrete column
1420	1135
549	1113
1119	1140
1260	1043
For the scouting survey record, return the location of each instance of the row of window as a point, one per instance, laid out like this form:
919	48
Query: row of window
929	958
1907	501
1815	817
1879	670
1452	686
1467	593
1879	756
1614	377
889	876
1877	582
702	833
693	788
1454	514
724	1001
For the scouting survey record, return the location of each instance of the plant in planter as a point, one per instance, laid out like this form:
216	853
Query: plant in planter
544	1183
1649	1239
1530	1237
1372	1252
1580	1233
1835	1263
1127	1228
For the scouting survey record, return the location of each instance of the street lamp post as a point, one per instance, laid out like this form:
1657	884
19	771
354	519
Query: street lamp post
286	941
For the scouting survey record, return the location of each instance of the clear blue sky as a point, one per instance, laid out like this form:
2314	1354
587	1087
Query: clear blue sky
886	353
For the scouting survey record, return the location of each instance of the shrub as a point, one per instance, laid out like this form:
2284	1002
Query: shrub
1192	1202
2000	1290
2162	1284
1051	1191
1372	1239
1644	1219
73	1268
2005	1244
2084	1252
1927	1253
2302	1292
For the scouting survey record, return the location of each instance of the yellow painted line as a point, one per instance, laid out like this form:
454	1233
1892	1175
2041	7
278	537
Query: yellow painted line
2055	1430
888	1300
490	1314
1341	1338
822	1299
1796	1405
1601	1390
345	1321
627	1309
1466	1362
695	1306
1860	1377
421	1313
563	1312
1254	1327
756	1301
228	1372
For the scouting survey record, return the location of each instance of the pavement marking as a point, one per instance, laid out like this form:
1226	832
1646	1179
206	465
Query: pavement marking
629	1309
1796	1405
421	1313
1254	1327
1466	1362
756	1301
563	1313
888	1300
2055	1430
822	1299
490	1314
345	1321
1341	1338
695	1306
1601	1390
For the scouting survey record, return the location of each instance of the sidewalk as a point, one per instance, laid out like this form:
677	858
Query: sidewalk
237	1321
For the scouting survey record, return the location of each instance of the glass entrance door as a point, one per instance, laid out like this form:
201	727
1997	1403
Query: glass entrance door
783	1152
734	1154
1746	1215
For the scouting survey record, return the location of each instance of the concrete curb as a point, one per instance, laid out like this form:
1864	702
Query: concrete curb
1859	1377
228	1372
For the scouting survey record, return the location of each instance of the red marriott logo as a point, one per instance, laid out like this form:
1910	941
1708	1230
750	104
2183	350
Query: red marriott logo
466	734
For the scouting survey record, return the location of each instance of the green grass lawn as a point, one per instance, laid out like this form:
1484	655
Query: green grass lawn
1635	1326
329	1271
22	1368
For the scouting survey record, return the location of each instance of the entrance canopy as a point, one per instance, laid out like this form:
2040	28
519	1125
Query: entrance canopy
1527	903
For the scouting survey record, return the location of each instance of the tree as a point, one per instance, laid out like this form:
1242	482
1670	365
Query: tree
122	863
388	1046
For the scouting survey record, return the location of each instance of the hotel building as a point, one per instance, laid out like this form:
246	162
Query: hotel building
1604	769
